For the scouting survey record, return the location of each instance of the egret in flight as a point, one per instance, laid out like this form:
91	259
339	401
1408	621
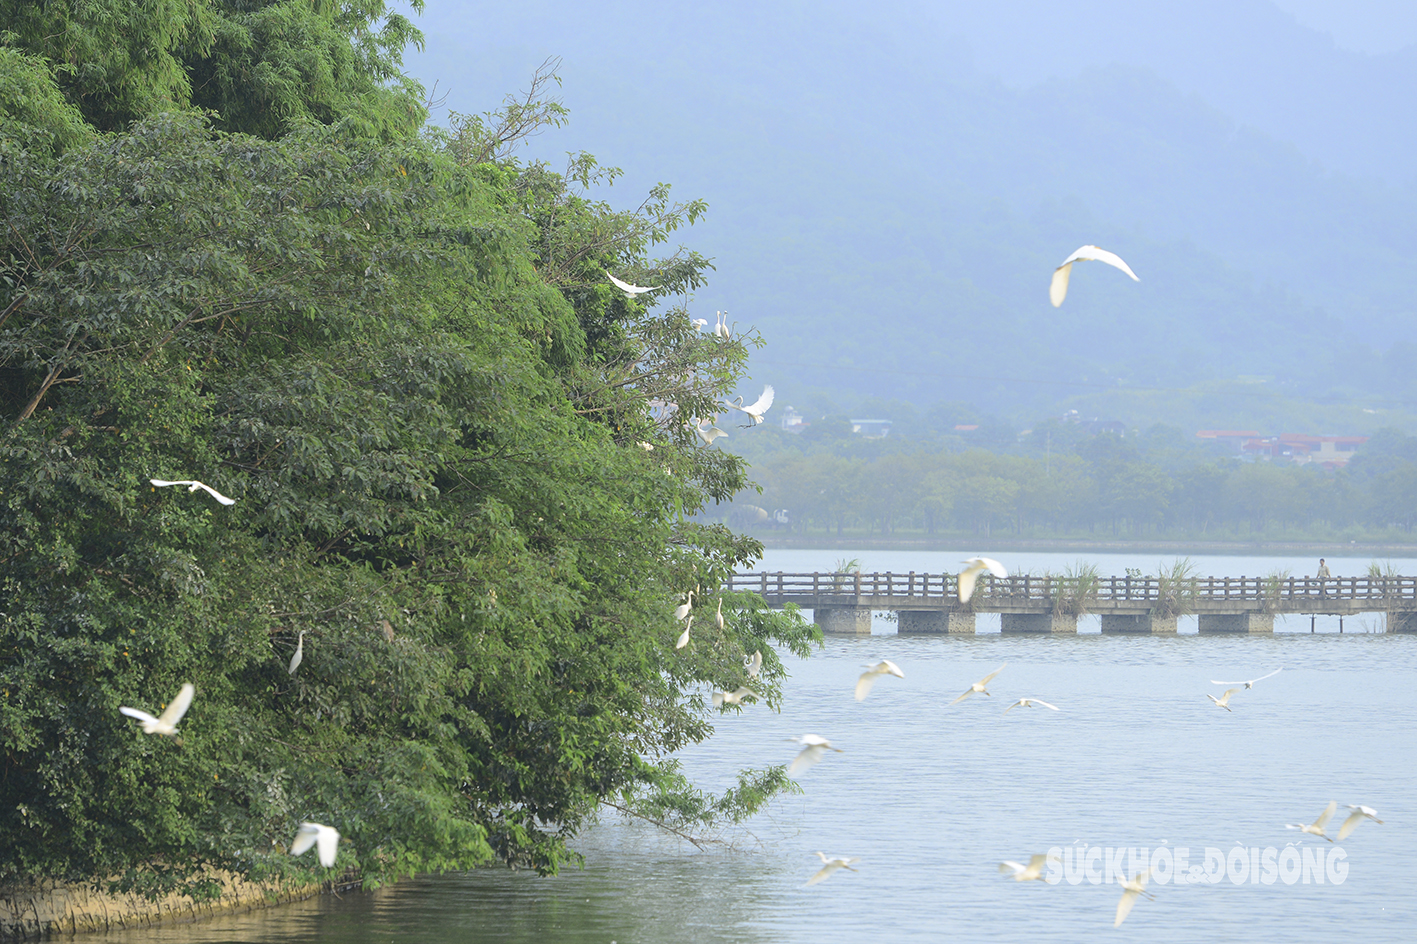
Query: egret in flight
630	290
1130	891
1251	682
979	685
165	723
974	567
1317	827
192	486
1224	700
1028	703
755	410
831	865
1025	873
299	653
1359	814
324	838
814	747
1058	289
734	697
873	672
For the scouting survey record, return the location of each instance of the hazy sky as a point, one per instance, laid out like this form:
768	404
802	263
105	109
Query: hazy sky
1371	26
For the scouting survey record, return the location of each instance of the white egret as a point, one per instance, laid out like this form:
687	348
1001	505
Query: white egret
165	723
326	838
970	574
299	653
684	636
1251	682
979	685
755	664
699	323
721	329
734	697
1359	814
1026	873
192	486
873	672
831	865
1130	891
647	447
814	747
1058	289
1224	700
1316	828
682	610
631	290
710	433
755	410
718	616
1029	703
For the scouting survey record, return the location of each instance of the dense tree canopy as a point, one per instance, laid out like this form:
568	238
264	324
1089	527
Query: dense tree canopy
462	464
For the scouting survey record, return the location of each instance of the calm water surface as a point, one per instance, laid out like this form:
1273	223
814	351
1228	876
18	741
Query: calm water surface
932	797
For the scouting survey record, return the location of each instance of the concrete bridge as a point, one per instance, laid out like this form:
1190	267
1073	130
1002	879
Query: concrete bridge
929	603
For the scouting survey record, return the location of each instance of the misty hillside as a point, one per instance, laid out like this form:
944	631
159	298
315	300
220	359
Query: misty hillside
888	213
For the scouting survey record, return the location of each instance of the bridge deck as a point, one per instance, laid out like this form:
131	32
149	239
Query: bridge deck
1337	596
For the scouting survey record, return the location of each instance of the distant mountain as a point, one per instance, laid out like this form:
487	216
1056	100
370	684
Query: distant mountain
889	213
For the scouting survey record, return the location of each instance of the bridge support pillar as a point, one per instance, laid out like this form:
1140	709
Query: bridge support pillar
1138	623
1400	622
935	621
1037	623
853	620
1236	623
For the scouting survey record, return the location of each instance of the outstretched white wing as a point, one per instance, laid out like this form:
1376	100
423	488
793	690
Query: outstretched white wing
192	486
149	722
327	845
178	706
628	289
1058	288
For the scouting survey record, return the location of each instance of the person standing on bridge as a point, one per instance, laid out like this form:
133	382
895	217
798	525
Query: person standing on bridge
1323	576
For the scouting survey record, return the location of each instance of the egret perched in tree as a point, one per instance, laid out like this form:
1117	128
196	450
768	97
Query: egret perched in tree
299	653
831	865
1130	891
814	747
682	610
709	434
721	329
1058	289
192	486
973	568
1359	814
684	636
1224	700
165	723
718	615
1025	873
734	697
326	838
700	323
1317	827
1029	703
1251	682
631	290
755	410
979	685
873	672
755	664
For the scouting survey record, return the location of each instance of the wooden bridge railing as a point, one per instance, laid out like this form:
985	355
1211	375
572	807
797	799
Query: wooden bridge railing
1028	588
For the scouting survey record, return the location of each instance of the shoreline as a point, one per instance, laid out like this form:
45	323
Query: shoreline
1183	548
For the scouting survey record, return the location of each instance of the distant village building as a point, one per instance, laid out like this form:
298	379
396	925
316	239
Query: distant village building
1234	438
1331	452
871	429
792	421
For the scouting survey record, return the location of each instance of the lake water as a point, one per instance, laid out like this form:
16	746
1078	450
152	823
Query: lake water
932	797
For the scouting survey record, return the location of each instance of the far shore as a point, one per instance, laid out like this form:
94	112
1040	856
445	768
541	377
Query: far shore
848	542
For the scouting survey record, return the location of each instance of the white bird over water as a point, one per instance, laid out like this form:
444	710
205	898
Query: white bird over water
1359	814
1130	891
326	838
684	636
1317	827
1058	289
831	865
1025	873
873	672
1029	703
1224	700
1251	682
755	664
814	746
192	486
755	410
973	568
165	723
979	685
299	653
734	697
631	290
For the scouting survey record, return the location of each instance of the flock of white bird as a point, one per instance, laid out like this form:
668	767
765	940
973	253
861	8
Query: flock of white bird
325	839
